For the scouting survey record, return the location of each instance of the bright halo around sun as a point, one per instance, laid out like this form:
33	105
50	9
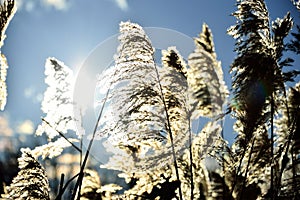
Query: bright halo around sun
94	85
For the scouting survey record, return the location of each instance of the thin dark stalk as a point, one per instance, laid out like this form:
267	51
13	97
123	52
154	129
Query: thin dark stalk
62	135
81	174
238	171
285	156
223	163
61	183
62	191
247	169
61	186
170	131
294	173
81	144
289	139
191	161
272	147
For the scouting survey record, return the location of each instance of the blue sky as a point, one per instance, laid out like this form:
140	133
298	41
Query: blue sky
70	29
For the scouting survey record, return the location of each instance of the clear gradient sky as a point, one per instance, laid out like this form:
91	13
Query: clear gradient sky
70	30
